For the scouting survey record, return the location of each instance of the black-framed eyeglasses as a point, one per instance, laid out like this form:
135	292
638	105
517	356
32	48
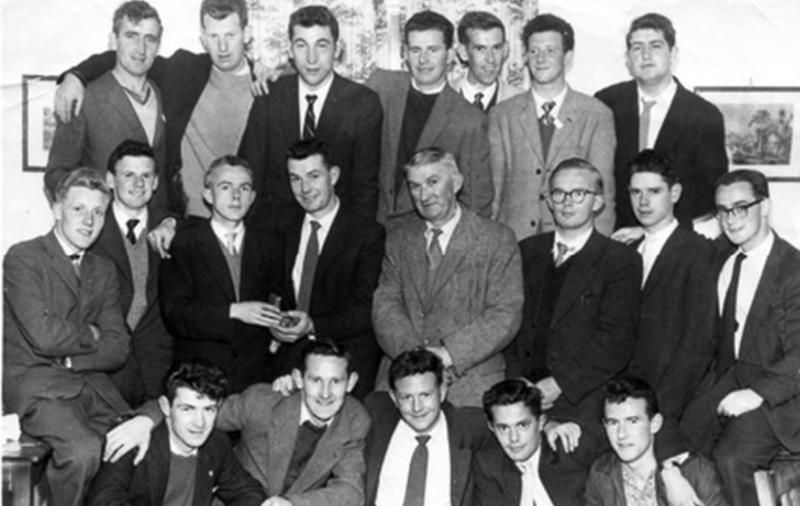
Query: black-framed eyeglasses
578	195
737	212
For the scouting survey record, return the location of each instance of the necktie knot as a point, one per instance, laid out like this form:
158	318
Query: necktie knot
423	439
311	99
131	234
75	259
230	242
647	104
317	429
562	251
478	100
547	107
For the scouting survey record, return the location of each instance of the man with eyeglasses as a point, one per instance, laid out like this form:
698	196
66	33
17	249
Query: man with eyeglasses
580	312
748	408
529	134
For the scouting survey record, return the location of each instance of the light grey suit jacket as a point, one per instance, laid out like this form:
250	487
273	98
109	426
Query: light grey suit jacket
473	309
520	170
454	124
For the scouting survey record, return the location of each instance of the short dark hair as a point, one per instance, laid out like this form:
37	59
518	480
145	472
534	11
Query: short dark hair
221	9
657	162
230	160
135	11
549	23
324	348
578	163
478	20
200	376
512	391
130	147
83	177
621	388
314	15
416	361
302	149
429	20
653	21
757	180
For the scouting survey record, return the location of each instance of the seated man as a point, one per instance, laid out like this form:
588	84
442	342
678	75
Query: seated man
628	475
517	468
188	460
419	447
63	332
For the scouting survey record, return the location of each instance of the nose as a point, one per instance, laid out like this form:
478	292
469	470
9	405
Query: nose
138	181
424	193
490	56
325	393
513	435
312	55
424	57
237	193
644	199
622	431
141	45
199	420
223	45
88	218
416	405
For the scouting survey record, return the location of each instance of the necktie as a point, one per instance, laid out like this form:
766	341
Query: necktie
308	436
644	122
309	267
528	485
75	258
131	235
547	126
478	100
548	118
310	123
561	254
417	473
230	242
729	323
434	250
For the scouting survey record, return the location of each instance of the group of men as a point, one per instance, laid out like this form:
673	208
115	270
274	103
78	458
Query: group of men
208	241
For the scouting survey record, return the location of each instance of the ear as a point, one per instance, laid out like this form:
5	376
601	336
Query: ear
458	182
335	173
203	40
155	181
338	50
351	381
248	34
208	196
597	203
112	41
443	391
656	422
568	61
393	397
58	211
110	180
163	403
675	192
542	421
461	50
765	207
673	59
506	51
297	377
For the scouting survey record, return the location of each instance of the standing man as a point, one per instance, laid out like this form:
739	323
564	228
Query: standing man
532	132
317	102
63	332
748	407
451	282
483	46
421	110
420	446
581	309
133	177
655	111
329	262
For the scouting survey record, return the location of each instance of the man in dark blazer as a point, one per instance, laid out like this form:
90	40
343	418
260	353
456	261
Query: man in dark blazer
63	332
214	287
185	450
345	115
747	407
581	307
681	124
420	110
133	178
414	407
333	298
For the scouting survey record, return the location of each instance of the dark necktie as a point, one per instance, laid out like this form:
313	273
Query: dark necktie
75	259
729	323
309	267
547	126
308	435
131	235
644	122
310	123
478	100
417	473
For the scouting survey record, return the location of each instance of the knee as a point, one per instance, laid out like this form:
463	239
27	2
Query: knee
731	459
83	454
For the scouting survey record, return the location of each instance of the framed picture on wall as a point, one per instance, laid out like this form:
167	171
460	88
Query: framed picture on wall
759	128
38	120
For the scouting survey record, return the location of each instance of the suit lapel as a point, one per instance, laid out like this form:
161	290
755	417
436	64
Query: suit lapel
216	259
528	122
326	452
460	457
579	275
568	116
110	242
331	114
673	121
461	243
666	258
291	247
251	254
283	427
159	136
115	97
157	461
439	117
418	262
335	243
204	478
288	108
379	444
153	259
763	297
61	263
396	109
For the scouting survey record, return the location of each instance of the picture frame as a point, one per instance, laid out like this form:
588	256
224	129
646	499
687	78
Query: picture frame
38	120
759	128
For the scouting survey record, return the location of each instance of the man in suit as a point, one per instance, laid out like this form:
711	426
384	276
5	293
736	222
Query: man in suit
484	48
747	408
63	332
328	266
531	133
655	111
517	467
420	110
188	461
317	102
214	287
419	447
581	308
450	282
121	104
207	100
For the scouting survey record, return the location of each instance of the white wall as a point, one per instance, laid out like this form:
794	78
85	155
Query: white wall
721	42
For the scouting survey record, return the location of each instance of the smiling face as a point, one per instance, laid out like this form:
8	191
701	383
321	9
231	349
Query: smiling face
80	215
653	200
517	430
133	181
325	385
547	60
630	429
230	194
136	45
314	51
426	56
312	184
190	418
649	58
419	399
224	41
485	53
752	228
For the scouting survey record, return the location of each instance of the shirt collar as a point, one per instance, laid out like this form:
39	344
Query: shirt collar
558	99
665	97
173	448
447	229
532	464
468	91
575	244
122	215
438	430
326	221
321	92
305	416
222	232
760	252
434	92
68	248
661	236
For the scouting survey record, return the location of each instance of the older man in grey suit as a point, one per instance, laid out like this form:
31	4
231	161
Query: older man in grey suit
451	282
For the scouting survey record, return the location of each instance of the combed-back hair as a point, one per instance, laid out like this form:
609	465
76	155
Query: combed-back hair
83	177
135	11
221	9
578	163
653	21
198	375
549	23
621	388
429	20
657	162
130	147
229	160
512	391
416	361
324	348
478	20
302	149
314	15
757	180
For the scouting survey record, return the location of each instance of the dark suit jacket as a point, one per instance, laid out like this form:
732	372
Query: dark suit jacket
269	421
454	124
350	124
106	119
769	355
143	375
341	294
693	135
467	431
675	338
592	331
218	474
47	311
196	293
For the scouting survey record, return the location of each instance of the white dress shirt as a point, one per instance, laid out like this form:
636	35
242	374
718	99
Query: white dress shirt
447	231
322	233
558	99
321	92
574	245
223	233
658	111
652	245
533	491
122	216
469	90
